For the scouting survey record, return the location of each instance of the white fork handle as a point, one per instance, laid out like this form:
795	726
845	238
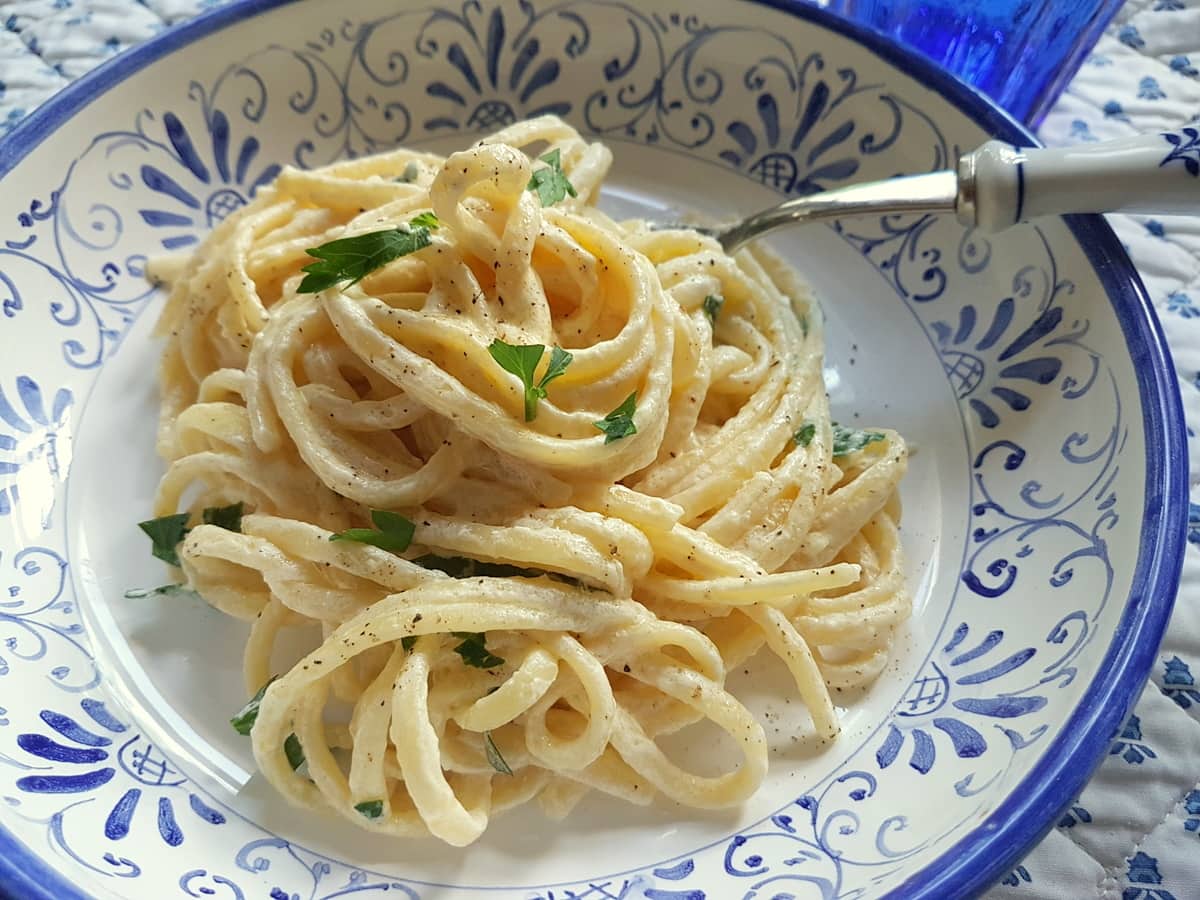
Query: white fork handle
1158	173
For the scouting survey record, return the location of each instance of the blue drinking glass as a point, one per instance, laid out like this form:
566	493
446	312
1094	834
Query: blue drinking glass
1021	53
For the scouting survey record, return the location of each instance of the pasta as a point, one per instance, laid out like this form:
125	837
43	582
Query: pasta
576	583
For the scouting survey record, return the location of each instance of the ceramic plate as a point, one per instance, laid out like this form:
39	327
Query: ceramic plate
1044	505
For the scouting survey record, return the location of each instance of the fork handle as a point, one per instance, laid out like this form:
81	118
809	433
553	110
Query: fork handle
1001	185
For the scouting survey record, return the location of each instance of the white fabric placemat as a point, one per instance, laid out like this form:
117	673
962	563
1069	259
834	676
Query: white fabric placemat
1134	832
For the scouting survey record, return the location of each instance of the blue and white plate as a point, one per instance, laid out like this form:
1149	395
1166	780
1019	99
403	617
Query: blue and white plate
1044	506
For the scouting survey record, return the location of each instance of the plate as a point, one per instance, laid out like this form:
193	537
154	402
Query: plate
1044	504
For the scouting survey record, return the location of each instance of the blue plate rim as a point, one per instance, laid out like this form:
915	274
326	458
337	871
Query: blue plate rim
994	846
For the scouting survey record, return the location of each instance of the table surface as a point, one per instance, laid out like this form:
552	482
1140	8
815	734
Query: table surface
1134	832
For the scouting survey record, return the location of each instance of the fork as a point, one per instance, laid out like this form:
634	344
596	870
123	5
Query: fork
999	185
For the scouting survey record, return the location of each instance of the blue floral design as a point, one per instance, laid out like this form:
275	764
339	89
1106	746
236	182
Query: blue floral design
35	437
1129	744
1178	683
1185	148
1183	65
1148	89
979	661
83	759
226	179
1129	36
1143	870
1081	131
1191	805
497	80
1168	5
1016	876
1181	303
1075	815
1113	110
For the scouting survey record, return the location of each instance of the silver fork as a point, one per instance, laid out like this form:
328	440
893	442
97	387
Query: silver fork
998	185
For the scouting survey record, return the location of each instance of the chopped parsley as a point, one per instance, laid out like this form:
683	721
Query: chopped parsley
804	436
227	517
244	721
474	651
372	809
712	306
851	440
424	220
464	567
293	751
550	184
391	532
522	360
619	423
352	258
495	760
166	533
408	643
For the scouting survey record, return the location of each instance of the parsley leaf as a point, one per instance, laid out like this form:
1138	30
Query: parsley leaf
474	651
248	714
619	423
165	534
493	755
227	517
559	360
712	306
424	220
522	360
391	532
851	440
410	174
408	643
294	752
550	184
804	436
464	567
351	259
372	809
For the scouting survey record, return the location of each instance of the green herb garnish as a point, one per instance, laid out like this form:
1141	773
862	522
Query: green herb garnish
619	423
550	184
165	534
474	651
391	532
424	220
351	259
372	809
227	517
293	751
244	721
851	440
493	755
522	360
408	643
804	436
712	306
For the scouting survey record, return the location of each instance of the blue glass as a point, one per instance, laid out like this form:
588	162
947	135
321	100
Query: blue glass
1021	53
